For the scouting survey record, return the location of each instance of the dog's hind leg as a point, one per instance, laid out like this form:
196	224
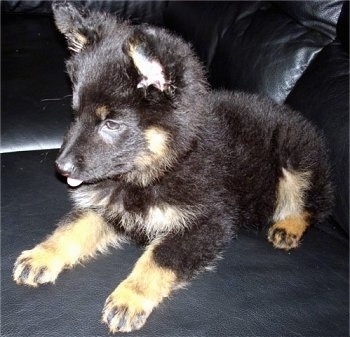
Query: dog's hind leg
77	238
290	220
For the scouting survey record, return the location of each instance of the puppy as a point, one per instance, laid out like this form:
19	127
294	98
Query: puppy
155	156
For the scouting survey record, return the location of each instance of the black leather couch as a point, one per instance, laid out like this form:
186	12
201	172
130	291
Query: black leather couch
294	52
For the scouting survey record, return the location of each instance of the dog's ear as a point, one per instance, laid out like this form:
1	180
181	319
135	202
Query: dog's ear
80	26
142	51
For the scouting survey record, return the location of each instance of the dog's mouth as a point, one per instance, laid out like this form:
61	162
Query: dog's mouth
74	182
123	168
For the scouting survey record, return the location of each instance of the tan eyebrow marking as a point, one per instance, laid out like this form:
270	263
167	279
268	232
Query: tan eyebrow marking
102	112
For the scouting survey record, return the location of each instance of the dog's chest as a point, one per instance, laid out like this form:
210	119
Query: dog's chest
135	209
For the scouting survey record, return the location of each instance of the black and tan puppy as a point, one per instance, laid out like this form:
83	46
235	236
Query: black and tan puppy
157	157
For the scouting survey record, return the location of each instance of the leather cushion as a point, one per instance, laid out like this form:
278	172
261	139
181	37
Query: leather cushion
343	26
137	11
321	16
322	95
35	92
256	290
265	52
255	46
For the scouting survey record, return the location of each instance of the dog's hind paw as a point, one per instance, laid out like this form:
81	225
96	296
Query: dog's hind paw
286	234
281	239
37	266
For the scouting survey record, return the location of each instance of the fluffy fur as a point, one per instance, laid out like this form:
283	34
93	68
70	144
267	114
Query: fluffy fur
159	158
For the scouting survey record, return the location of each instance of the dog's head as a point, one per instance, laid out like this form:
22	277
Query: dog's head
137	94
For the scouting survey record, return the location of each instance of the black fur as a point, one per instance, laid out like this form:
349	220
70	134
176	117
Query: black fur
163	159
228	149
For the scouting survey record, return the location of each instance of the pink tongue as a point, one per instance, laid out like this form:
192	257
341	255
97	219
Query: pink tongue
74	182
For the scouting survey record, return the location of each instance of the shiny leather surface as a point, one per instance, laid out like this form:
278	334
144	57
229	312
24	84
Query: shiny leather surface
294	52
255	291
327	105
35	107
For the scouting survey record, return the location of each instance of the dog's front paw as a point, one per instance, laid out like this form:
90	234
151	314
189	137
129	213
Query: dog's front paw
126	309
36	266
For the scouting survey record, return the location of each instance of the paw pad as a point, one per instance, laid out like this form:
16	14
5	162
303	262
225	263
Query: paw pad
282	239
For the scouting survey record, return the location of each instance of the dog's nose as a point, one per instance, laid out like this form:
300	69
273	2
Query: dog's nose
64	167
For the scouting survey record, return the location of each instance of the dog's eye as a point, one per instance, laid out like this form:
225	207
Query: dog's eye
112	125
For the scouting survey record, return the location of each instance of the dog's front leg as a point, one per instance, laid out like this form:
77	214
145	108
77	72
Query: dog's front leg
77	238
166	264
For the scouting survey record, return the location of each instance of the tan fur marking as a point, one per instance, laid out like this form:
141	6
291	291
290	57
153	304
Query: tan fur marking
286	234
69	244
81	238
78	42
80	38
157	144
102	112
159	157
136	297
291	193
